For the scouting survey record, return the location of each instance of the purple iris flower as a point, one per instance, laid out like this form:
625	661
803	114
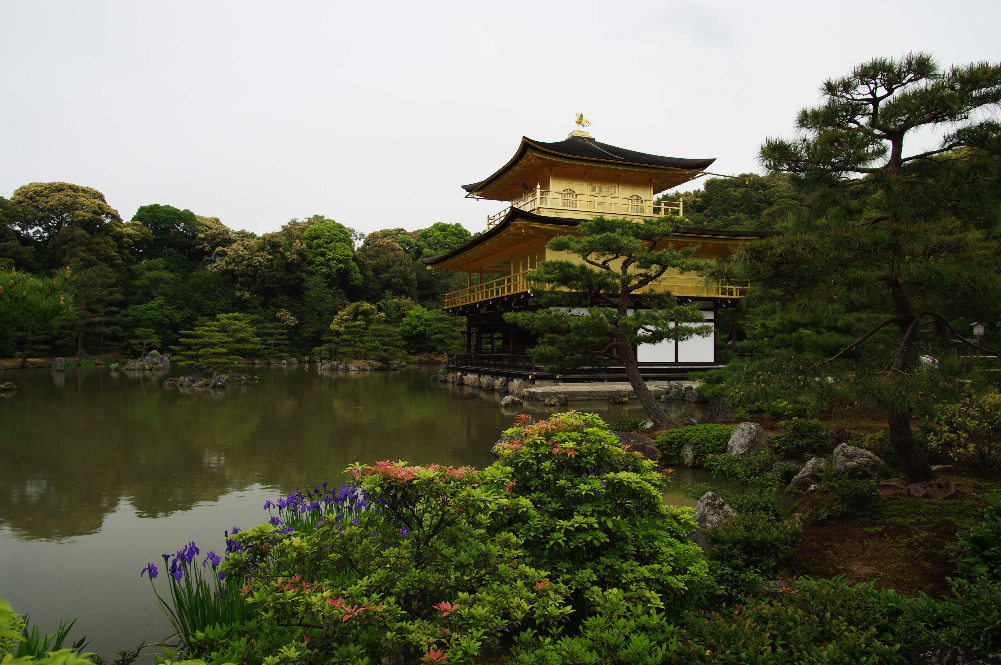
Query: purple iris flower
213	557
268	505
150	569
275	520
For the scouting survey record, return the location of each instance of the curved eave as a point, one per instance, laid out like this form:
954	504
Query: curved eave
440	262
666	172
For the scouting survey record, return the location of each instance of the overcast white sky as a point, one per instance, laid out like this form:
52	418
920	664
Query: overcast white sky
374	113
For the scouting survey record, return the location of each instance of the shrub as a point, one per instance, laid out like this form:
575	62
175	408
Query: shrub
755	469
856	496
617	631
878	443
969	431
802	436
814	621
705	439
834	621
417	577
594	514
753	542
980	545
628	424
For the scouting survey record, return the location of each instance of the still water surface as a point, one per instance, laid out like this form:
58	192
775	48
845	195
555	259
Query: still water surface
101	472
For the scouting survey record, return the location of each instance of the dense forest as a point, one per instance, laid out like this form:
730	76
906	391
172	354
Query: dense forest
78	280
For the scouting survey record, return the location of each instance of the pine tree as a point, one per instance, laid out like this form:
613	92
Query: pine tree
596	311
219	343
907	247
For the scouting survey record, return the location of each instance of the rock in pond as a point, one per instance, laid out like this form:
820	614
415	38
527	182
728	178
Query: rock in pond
510	400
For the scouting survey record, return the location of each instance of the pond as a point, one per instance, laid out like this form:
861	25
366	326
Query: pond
104	471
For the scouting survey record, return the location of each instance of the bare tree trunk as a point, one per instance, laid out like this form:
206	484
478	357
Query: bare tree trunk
653	409
912	459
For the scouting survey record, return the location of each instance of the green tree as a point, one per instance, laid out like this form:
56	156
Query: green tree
430	330
747	202
330	252
361	331
621	259
219	343
892	255
32	310
385	266
172	235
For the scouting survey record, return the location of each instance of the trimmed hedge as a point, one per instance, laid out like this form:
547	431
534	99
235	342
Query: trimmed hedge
706	439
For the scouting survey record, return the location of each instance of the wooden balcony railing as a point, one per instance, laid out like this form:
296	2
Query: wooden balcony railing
590	205
689	286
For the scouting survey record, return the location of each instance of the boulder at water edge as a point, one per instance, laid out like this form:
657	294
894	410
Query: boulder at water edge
809	475
747	439
510	400
710	512
858	462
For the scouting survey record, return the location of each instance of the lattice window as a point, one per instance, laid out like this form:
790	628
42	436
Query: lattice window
636	203
569	198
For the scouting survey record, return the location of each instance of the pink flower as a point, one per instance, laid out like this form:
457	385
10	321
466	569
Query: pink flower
434	656
542	585
446	608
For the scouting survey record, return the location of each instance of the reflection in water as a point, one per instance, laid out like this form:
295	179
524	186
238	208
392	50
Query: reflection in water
103	471
72	452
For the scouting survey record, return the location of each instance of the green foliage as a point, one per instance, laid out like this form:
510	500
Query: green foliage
833	621
200	597
877	443
32	309
616	631
433	331
749	201
628	424
823	621
755	469
171	236
881	274
594	513
705	439
749	547
803	436
980	545
619	260
220	343
969	431
856	496
418	577
23	644
361	331
330	252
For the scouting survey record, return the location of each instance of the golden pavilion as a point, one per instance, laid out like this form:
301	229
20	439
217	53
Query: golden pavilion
548	188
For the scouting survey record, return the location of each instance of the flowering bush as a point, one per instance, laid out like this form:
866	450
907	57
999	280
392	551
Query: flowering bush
594	514
416	577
